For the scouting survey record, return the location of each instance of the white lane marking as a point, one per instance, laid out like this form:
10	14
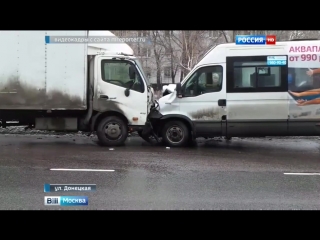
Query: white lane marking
81	170
305	174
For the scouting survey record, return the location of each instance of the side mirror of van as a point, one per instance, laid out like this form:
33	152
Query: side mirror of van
179	90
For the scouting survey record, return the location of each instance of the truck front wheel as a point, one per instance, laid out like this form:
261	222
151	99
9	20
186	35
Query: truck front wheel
112	131
175	134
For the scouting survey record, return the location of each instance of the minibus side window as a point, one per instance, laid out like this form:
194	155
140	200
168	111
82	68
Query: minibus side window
255	74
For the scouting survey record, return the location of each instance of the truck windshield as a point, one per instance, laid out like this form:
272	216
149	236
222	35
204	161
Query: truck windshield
141	70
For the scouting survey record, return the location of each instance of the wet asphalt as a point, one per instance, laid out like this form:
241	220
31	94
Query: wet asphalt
242	174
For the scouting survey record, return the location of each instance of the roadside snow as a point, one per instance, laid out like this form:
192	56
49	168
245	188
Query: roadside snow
20	130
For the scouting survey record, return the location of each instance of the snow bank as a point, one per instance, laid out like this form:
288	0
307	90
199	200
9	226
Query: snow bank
20	130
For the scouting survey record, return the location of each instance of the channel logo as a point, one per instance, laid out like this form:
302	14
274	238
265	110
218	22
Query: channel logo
255	39
66	201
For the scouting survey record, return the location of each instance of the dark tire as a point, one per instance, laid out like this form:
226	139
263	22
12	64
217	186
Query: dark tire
175	134
112	131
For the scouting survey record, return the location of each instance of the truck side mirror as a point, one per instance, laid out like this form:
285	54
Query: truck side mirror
179	90
132	73
127	92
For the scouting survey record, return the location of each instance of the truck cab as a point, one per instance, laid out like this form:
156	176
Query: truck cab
122	96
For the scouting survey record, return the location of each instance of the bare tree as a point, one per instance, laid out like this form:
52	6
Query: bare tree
299	34
195	44
166	41
226	36
158	52
185	48
188	40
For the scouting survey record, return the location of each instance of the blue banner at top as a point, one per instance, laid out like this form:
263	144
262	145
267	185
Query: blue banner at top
250	39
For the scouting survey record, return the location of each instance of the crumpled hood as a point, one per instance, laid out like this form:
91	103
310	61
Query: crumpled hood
169	88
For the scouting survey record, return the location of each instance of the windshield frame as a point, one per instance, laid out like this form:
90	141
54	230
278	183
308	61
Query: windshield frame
137	62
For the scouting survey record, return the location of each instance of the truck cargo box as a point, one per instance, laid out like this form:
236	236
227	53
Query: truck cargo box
39	76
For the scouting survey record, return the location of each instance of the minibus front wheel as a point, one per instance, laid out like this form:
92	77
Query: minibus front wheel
175	133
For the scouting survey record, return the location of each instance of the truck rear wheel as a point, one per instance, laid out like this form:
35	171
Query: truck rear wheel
112	131
175	134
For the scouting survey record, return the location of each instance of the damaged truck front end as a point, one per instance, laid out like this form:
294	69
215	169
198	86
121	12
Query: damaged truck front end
149	133
162	111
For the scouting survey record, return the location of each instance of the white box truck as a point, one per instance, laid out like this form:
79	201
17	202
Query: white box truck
244	91
69	87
